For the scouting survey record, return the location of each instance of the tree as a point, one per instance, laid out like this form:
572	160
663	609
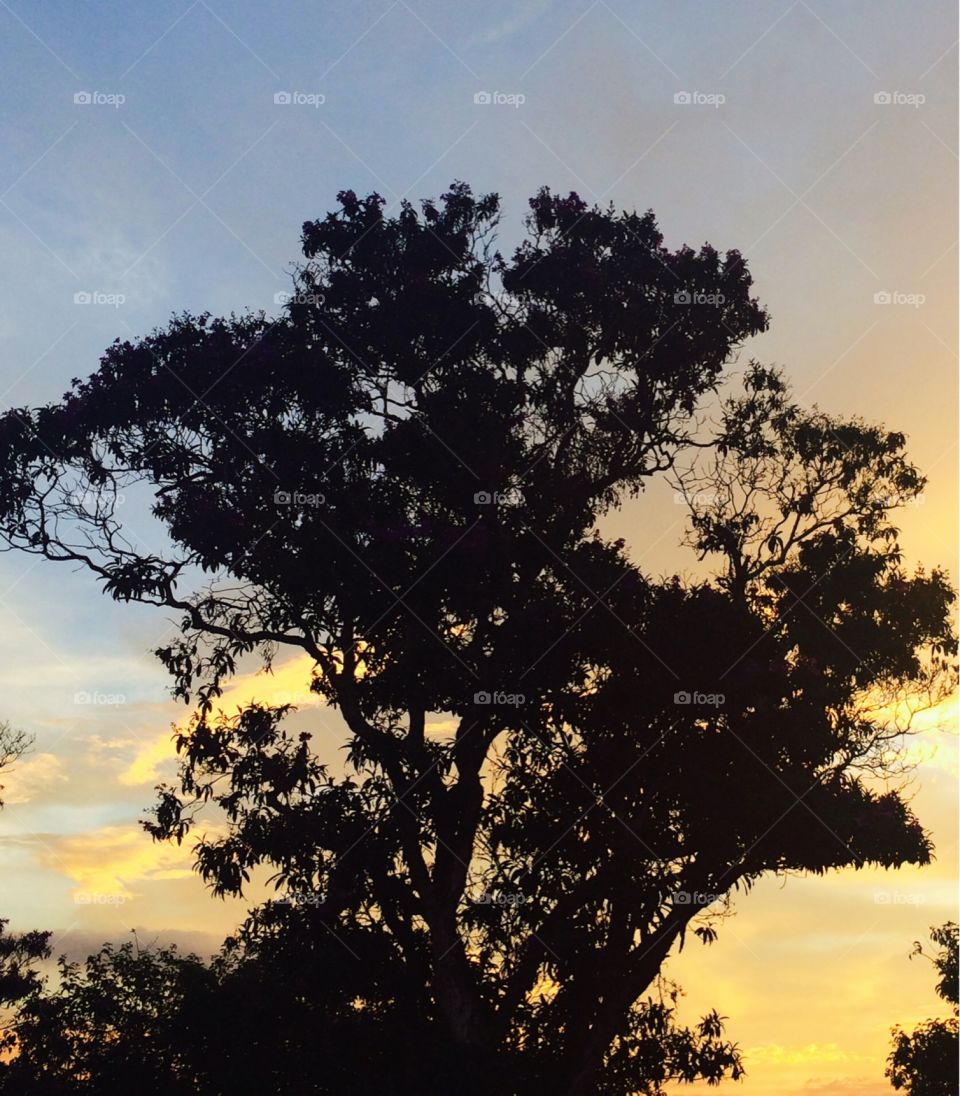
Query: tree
403	476
165	1024
924	1061
18	952
13	745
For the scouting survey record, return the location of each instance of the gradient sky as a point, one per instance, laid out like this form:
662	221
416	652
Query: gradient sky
189	194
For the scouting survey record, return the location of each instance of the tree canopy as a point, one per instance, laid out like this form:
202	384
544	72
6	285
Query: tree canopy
13	745
924	1062
557	764
18	952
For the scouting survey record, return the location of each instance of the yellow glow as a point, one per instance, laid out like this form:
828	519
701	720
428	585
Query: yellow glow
31	777
109	861
287	684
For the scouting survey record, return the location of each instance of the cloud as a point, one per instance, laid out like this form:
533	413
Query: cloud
846	1087
145	767
99	745
288	683
29	778
776	1054
521	18
107	862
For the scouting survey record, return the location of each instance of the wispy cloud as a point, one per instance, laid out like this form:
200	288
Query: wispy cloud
33	776
521	18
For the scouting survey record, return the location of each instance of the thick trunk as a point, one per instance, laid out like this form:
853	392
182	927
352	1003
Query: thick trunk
468	1020
461	1008
618	995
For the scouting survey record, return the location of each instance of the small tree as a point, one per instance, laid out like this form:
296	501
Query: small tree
924	1062
13	745
18	953
403	476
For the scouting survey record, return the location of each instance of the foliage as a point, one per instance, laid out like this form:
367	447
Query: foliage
924	1062
13	745
404	476
307	1022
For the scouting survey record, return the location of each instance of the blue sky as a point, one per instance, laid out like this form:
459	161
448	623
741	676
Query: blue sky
184	185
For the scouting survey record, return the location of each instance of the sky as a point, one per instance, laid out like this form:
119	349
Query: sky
163	157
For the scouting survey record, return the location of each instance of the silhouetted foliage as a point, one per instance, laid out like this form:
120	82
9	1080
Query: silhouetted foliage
13	745
297	1022
926	1061
18	953
556	763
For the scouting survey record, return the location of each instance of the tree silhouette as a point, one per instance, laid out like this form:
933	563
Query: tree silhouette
924	1062
18	977
13	745
556	764
166	1024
